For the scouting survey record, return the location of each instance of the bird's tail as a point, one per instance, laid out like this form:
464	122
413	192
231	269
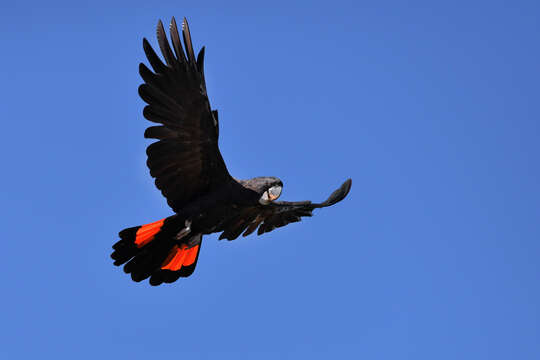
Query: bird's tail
152	250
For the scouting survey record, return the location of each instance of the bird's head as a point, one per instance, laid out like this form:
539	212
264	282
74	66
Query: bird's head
268	188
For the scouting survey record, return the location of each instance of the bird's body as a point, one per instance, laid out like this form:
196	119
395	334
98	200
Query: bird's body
213	211
191	173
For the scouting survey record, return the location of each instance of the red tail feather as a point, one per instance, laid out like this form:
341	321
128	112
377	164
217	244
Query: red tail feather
180	257
146	233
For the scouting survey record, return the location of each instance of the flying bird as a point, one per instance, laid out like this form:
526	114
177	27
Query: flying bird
190	172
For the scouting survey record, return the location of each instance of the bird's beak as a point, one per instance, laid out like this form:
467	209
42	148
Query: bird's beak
274	192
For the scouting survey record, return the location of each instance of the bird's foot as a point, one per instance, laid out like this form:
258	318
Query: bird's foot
185	231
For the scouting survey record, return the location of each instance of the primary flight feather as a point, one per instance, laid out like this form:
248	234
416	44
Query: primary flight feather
190	172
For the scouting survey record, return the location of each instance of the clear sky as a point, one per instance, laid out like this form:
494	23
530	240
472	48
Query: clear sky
431	107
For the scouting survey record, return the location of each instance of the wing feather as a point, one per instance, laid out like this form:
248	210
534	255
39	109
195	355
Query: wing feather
164	45
158	66
265	218
173	28
185	161
187	43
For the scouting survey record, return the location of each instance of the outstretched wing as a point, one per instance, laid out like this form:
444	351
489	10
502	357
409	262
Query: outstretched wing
277	214
186	161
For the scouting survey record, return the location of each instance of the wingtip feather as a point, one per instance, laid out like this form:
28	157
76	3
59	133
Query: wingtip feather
188	43
175	38
164	44
339	194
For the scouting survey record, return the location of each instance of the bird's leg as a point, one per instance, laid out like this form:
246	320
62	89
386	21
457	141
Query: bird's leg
185	231
194	240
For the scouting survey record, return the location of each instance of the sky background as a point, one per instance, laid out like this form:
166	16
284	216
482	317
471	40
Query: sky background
432	108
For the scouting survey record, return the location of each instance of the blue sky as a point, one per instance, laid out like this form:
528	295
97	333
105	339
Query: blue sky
430	107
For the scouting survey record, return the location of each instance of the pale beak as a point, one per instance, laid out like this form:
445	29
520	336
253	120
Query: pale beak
270	195
274	192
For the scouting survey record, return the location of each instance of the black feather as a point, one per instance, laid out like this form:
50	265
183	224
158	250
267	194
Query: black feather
164	45
175	38
155	62
187	43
